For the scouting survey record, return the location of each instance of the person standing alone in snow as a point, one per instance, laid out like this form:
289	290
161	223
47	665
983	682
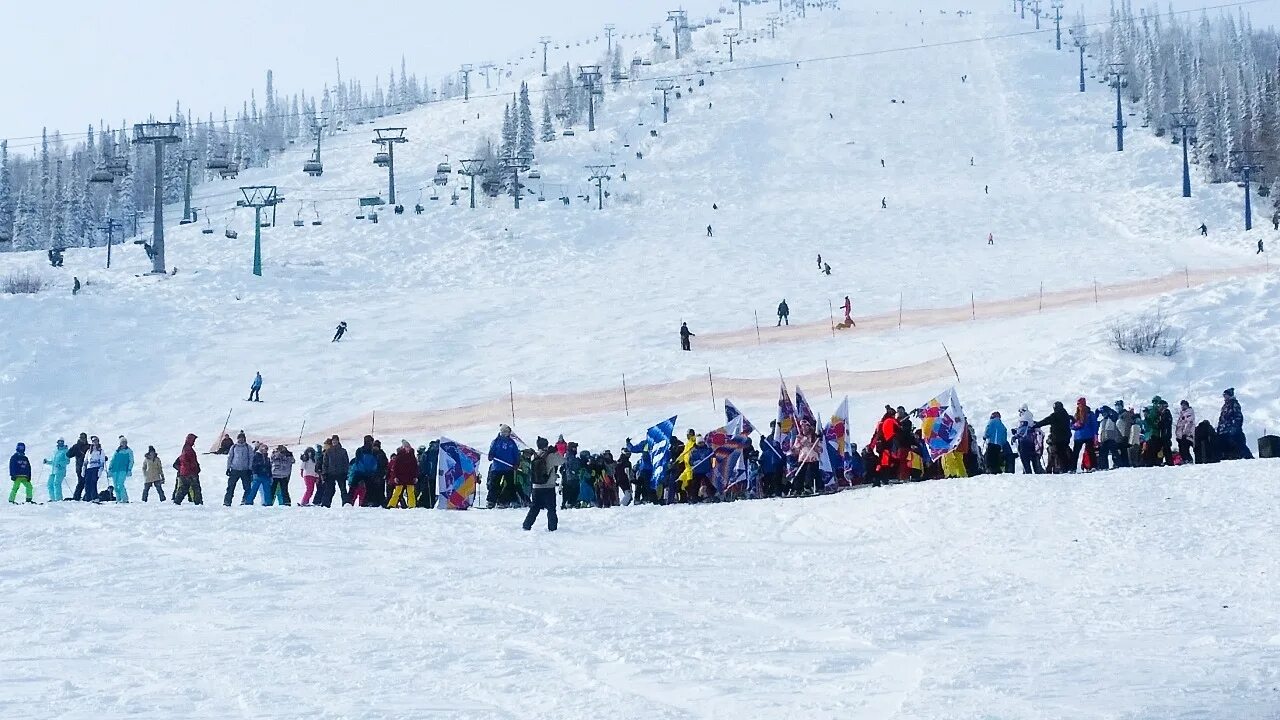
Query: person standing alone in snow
784	313
546	464
255	388
342	330
684	336
848	307
20	474
709	232
991	238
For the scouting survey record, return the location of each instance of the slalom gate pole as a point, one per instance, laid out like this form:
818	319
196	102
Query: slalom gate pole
757	314
373	422
713	388
831	314
973	308
830	391
625	405
1095	291
899	311
1187	271
953	362
1041	296
303	429
225	424
511	390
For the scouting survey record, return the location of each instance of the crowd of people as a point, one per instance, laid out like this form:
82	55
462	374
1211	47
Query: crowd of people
777	465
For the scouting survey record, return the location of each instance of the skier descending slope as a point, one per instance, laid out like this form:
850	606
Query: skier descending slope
255	387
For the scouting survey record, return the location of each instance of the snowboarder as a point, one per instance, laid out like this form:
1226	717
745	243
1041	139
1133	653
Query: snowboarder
709	232
684	336
1260	248
342	330
188	474
58	470
255	388
543	489
884	203
1204	230
991	238
970	161
826	269
152	473
715	206
784	313
504	456
20	474
121	468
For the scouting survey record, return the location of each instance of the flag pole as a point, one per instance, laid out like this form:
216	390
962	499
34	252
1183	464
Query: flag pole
831	314
953	362
625	405
830	391
303	429
713	388
757	314
511	393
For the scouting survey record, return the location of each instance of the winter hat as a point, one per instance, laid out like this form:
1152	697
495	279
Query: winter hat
1119	404
542	443
1157	400
124	442
61	442
1229	392
1024	408
1058	405
240	435
504	429
1185	404
22	447
995	415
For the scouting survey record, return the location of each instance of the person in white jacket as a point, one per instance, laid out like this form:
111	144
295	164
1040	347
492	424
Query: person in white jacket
1185	432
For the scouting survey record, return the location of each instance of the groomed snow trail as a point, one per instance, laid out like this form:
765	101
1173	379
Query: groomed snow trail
1143	595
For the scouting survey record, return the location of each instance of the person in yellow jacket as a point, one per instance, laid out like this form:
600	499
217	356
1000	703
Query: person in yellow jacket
686	475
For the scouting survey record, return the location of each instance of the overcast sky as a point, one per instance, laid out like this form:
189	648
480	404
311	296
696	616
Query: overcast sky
124	61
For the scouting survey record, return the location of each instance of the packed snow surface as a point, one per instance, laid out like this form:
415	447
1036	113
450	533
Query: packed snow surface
1135	594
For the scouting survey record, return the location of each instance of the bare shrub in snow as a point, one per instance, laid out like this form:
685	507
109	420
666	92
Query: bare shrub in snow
22	282
1147	334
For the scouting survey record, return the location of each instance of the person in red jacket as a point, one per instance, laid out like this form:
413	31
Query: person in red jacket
403	473
188	474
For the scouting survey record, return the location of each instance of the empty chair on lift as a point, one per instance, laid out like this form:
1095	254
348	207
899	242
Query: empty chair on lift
208	227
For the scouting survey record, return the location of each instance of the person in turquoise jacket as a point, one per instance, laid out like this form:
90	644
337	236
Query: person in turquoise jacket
57	470
997	437
121	467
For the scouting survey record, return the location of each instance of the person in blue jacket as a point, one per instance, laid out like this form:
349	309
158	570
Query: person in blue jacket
997	437
120	468
700	464
504	458
772	466
20	473
260	470
1084	432
58	470
255	388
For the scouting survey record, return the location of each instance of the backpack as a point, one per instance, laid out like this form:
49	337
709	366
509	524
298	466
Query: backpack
176	461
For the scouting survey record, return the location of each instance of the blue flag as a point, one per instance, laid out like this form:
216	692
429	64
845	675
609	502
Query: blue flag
660	449
732	413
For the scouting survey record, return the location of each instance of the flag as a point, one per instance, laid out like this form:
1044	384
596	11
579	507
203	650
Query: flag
785	432
520	444
727	444
660	449
836	439
731	413
942	424
457	475
803	411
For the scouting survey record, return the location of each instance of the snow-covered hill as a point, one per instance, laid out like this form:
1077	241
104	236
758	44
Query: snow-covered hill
457	306
1143	595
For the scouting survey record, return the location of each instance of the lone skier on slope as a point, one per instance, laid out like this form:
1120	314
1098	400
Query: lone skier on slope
684	336
784	313
342	330
255	388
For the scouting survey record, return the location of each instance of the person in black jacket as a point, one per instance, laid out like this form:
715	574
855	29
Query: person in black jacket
1059	424
428	465
684	336
78	451
1159	448
543	485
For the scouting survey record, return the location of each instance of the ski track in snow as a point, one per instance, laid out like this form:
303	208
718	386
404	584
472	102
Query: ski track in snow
1134	594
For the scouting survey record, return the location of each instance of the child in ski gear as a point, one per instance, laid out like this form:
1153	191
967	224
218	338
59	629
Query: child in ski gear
188	474
309	476
57	470
1185	430
20	473
152	473
121	467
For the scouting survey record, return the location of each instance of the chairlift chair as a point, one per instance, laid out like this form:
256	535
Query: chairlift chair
298	222
231	234
208	227
381	159
231	171
568	132
102	175
118	165
534	174
313	167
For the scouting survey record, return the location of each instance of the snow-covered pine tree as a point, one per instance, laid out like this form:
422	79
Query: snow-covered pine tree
510	132
6	196
548	130
524	123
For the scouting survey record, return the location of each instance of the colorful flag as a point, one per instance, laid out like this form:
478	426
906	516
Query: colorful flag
836	437
457	475
660	449
785	431
729	468
732	413
942	424
803	411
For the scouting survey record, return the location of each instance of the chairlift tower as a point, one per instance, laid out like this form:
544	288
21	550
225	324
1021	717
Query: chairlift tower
158	134
590	76
1117	75
258	197
1243	163
466	71
186	190
388	138
677	19
1185	122
1035	10
729	37
599	173
514	164
1081	43
109	226
665	86
472	168
773	26
545	40
740	3
1057	23
485	67
609	29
